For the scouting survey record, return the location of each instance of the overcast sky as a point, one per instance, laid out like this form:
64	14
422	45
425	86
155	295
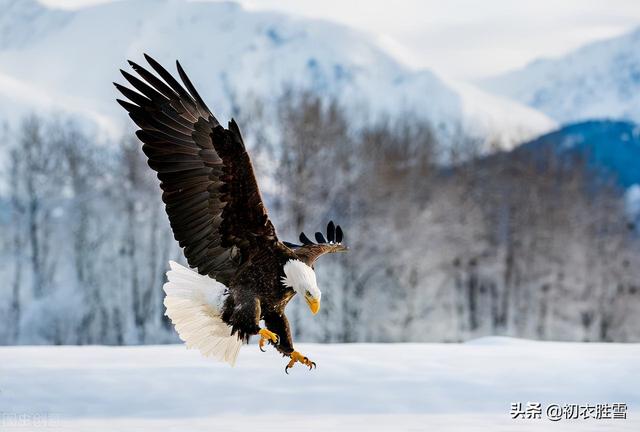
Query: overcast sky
465	39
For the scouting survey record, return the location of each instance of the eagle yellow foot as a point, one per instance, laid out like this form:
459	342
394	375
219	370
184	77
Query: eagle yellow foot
267	336
297	357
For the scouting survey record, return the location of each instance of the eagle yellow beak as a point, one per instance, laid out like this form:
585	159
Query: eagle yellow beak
314	304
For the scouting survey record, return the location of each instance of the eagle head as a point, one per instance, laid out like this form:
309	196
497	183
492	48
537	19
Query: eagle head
302	279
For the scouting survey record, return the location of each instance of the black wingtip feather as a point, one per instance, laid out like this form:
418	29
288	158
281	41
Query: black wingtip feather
320	238
156	66
187	82
338	234
167	77
233	127
331	231
304	239
127	105
133	96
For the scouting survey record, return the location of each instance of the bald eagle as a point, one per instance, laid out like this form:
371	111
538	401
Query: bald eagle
243	273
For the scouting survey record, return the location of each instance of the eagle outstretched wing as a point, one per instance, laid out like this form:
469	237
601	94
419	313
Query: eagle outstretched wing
209	188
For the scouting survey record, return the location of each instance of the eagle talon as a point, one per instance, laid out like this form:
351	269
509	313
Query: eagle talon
297	357
267	336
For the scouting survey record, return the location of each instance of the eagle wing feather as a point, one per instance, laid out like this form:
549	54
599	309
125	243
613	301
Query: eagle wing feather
209	187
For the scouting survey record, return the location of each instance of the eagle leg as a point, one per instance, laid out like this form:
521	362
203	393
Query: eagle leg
267	336
297	357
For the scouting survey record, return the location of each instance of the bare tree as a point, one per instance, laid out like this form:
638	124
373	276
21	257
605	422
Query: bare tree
36	190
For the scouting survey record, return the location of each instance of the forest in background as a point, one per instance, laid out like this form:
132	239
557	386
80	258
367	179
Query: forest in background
446	243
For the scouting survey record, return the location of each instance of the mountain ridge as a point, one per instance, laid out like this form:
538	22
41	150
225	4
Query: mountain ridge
610	147
232	52
597	80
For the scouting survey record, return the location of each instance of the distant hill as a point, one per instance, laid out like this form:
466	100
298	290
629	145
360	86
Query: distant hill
599	80
611	148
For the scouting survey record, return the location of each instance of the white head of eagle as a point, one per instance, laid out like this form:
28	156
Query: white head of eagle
302	279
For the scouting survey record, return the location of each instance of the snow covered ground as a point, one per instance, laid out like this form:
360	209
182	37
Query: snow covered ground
358	387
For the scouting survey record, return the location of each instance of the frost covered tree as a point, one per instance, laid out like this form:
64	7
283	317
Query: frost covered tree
447	243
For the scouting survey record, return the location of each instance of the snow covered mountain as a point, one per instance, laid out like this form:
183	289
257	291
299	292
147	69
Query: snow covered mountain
65	61
599	80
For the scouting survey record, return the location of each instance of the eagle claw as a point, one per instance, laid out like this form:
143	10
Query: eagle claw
267	336
297	357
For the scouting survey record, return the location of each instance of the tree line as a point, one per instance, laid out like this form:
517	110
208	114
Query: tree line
447	243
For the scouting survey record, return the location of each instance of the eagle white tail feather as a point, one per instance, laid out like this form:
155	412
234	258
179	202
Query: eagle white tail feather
194	304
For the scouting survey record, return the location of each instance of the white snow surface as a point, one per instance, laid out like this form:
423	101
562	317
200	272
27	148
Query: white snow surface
67	60
599	80
357	387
